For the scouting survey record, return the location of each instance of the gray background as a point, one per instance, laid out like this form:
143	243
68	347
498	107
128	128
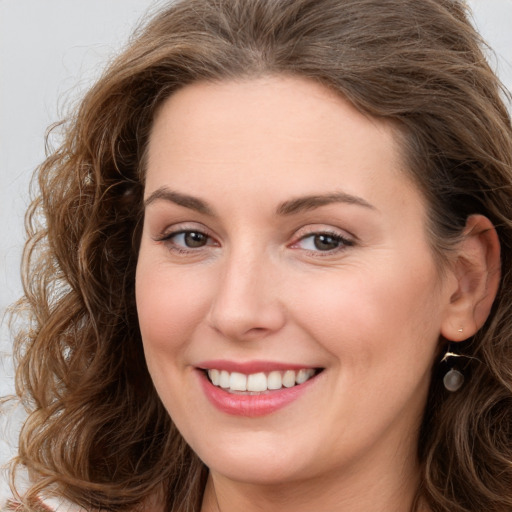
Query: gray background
50	52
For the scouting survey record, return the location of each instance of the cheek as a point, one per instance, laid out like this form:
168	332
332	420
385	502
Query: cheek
382	334
374	318
169	306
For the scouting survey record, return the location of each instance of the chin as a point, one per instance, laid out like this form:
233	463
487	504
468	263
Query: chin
257	461
256	472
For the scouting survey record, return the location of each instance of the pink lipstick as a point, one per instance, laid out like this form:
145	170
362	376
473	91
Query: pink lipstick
254	388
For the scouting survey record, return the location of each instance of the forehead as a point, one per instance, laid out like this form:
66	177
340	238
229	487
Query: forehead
272	106
268	133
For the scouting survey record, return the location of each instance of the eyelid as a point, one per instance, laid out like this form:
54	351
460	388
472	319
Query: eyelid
166	236
182	227
312	229
346	239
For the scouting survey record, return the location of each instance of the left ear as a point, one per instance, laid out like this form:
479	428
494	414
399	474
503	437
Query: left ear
476	269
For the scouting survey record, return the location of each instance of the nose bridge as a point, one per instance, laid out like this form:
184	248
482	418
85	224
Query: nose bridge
246	303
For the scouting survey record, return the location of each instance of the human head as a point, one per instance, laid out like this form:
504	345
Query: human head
436	89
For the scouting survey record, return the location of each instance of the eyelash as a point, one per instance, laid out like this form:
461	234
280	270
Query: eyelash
167	239
341	242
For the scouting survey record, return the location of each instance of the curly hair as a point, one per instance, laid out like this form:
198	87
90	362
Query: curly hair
97	432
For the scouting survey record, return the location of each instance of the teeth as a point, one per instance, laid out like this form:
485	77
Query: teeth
302	376
224	379
238	382
289	379
274	380
258	382
214	377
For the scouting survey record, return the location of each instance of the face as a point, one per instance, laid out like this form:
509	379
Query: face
288	298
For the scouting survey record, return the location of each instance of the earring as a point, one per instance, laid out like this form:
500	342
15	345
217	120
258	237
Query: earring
453	378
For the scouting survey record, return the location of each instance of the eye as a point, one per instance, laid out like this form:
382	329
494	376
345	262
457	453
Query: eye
191	239
323	242
186	239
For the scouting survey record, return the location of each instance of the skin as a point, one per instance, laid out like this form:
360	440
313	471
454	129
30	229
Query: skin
369	312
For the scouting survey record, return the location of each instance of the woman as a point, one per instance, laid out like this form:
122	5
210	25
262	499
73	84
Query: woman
274	268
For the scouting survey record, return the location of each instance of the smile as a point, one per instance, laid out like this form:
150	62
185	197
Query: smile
236	382
255	389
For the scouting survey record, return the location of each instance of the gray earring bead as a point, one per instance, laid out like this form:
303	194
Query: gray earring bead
453	380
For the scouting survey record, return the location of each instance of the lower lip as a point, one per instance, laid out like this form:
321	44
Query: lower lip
252	405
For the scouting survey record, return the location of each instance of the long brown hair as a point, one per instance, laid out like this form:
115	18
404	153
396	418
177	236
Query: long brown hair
97	432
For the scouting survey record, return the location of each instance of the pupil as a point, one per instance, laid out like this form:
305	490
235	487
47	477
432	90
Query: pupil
194	239
325	242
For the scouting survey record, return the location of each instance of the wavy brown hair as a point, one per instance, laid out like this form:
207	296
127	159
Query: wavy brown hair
97	432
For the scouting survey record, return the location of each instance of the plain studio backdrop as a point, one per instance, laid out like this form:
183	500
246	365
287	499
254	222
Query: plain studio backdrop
50	52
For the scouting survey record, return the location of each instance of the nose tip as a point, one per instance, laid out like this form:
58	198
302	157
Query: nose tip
246	304
242	324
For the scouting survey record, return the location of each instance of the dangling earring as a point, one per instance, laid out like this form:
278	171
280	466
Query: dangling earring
453	378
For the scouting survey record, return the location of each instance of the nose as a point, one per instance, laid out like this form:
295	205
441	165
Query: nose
246	305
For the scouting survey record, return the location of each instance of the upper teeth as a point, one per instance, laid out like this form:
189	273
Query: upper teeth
234	381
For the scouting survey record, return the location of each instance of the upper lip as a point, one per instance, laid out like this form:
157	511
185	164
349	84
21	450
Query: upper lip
249	367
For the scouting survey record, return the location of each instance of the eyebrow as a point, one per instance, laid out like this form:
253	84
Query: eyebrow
291	207
305	203
180	199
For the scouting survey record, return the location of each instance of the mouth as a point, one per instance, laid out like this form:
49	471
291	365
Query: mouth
255	389
260	382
